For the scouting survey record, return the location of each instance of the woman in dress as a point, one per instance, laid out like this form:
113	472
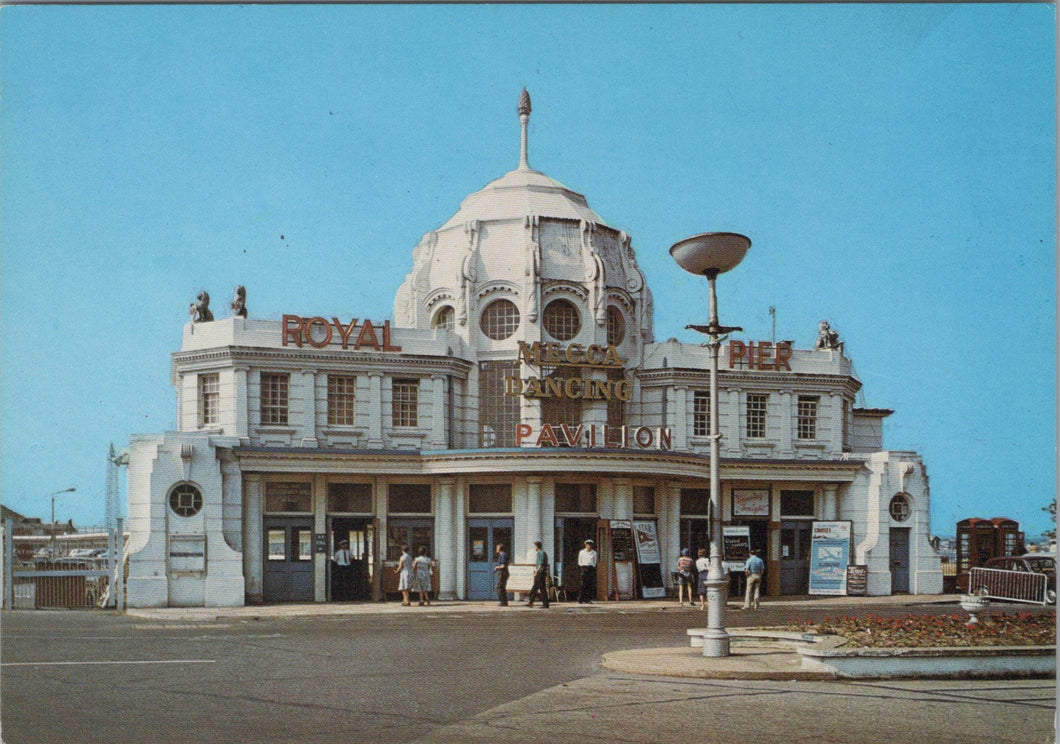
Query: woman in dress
404	572
421	576
703	569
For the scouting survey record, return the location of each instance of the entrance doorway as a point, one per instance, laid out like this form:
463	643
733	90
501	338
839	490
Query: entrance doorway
483	536
355	582
288	574
795	557
899	560
571	534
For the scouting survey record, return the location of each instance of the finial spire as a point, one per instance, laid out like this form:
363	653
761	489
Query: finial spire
524	117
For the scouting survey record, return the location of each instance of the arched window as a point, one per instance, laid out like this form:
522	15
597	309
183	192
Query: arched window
445	319
616	326
562	320
500	319
185	500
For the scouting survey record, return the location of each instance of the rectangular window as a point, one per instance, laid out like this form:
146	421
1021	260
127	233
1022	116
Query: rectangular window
796	503
807	416
556	407
576	498
404	405
756	415
288	497
274	397
498	412
644	501
701	413
209	400
409	498
695	501
350	498
342	394
489	498
616	407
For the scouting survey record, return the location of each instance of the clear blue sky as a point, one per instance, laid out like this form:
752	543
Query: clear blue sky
894	166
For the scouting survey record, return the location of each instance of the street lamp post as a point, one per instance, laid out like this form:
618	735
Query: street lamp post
65	490
710	254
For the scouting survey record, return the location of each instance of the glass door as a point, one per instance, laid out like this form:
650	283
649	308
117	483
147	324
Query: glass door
288	574
483	536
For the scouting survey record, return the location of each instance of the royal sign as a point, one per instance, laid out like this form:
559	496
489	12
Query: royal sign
319	333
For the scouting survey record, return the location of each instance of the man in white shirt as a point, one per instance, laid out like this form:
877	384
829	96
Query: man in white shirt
341	587
587	561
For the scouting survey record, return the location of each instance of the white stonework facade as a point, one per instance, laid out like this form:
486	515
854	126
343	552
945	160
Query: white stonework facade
294	433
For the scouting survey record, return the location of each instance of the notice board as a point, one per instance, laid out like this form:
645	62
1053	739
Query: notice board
857	580
736	547
649	570
829	557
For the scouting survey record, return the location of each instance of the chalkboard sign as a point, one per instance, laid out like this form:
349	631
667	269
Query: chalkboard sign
736	546
622	543
857	580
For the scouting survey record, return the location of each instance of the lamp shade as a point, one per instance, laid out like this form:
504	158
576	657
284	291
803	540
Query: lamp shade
717	251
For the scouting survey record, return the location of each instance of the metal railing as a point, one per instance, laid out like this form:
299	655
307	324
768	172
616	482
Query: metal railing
39	579
1012	586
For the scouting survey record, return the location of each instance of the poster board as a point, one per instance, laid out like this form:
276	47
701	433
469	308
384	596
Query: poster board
649	568
857	580
520	577
736	547
829	557
750	502
624	576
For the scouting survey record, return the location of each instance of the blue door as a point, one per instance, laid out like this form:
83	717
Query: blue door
483	536
288	575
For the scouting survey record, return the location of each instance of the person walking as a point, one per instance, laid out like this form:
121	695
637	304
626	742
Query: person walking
341	585
702	569
754	568
541	574
587	561
501	570
404	572
421	576
685	581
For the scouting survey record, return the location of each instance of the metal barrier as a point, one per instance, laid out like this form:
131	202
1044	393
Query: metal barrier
1013	586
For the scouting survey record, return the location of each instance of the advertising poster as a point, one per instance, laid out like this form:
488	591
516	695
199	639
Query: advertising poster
736	547
829	557
646	543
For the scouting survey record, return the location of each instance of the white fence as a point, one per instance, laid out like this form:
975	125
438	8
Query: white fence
1013	586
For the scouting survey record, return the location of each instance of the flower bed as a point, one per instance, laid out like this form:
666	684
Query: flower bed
933	631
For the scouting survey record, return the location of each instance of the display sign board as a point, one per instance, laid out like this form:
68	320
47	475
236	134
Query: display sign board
621	540
520	577
829	557
649	570
753	502
857	580
736	547
320	542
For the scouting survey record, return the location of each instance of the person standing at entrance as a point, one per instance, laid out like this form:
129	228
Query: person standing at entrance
540	588
421	575
500	569
342	572
404	572
587	561
754	569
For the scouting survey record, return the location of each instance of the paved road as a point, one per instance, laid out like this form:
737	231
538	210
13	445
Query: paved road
512	676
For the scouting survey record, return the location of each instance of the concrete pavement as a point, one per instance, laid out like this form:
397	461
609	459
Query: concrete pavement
750	658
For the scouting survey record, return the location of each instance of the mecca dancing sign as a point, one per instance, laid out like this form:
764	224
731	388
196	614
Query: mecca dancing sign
577	356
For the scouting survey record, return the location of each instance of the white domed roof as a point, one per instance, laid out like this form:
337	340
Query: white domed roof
519	193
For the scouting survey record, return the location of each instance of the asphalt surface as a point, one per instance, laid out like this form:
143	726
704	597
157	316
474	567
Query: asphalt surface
454	673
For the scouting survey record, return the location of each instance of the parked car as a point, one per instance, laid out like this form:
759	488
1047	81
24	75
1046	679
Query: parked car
1029	563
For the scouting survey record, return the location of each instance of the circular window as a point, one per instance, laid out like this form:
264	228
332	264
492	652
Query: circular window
616	326
500	319
899	508
562	320
445	319
185	500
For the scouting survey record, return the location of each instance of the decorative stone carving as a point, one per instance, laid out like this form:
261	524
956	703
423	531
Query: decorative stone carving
533	265
826	337
239	302
468	270
200	309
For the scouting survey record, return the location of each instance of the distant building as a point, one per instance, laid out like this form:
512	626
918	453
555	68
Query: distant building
23	525
519	394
